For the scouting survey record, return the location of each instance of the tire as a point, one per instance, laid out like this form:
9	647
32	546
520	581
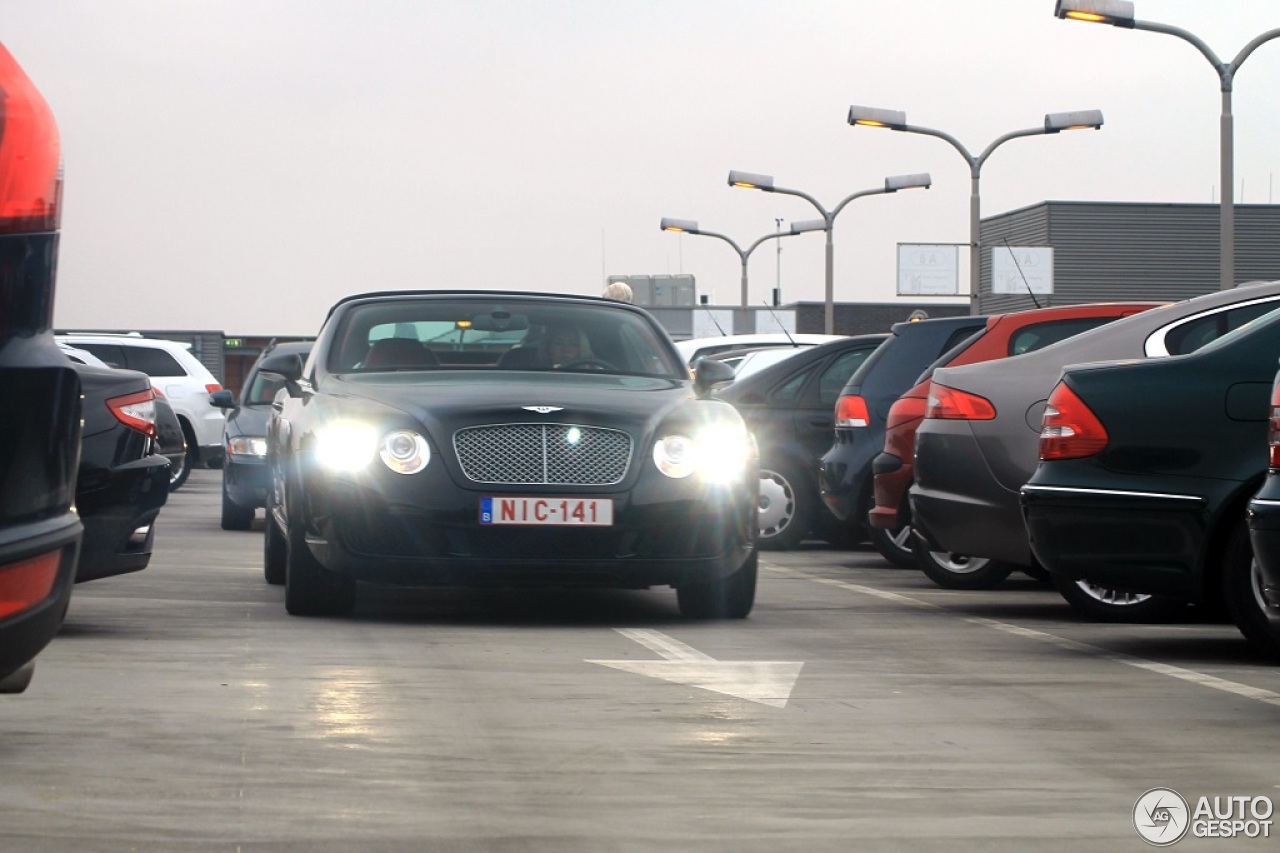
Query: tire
728	598
1103	604
1242	590
895	544
309	588
957	571
234	516
787	501
179	472
274	552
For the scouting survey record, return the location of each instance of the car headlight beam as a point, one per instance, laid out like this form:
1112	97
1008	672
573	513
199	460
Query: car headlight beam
718	454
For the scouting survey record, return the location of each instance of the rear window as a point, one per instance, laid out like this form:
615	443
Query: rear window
1192	335
897	362
1041	335
152	361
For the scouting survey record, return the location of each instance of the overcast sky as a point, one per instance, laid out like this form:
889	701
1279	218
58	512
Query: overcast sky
242	164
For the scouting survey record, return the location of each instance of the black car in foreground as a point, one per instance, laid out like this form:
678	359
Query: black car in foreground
244	438
123	481
1264	524
40	416
845	477
788	408
491	438
1146	471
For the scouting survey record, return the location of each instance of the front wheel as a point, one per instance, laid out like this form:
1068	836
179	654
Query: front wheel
727	598
1242	589
234	516
1104	604
309	588
274	552
958	571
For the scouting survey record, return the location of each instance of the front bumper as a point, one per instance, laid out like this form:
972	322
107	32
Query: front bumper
654	540
244	480
1144	542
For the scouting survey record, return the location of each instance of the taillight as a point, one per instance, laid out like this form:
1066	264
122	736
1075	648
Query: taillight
851	411
24	585
1070	429
213	387
30	170
953	404
136	411
1273	429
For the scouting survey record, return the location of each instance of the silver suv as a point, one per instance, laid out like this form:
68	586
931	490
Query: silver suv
175	372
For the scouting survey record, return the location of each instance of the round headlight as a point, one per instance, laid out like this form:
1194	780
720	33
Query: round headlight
405	452
676	456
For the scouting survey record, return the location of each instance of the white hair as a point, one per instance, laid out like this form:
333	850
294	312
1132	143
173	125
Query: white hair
619	291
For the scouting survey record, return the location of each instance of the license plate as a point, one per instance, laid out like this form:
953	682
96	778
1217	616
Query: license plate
585	512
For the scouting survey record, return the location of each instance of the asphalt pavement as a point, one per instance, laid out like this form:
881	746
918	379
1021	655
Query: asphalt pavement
858	708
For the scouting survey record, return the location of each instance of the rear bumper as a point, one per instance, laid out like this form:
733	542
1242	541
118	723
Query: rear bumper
119	518
1143	542
24	633
1264	533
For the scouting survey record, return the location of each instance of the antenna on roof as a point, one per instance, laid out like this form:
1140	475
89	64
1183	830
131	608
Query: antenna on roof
1018	266
714	320
779	323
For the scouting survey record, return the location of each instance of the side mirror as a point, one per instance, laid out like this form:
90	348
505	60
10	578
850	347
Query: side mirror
708	373
284	367
223	399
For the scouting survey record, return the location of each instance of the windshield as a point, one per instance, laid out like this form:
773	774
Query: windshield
430	333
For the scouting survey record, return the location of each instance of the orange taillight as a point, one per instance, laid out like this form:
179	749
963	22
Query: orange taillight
1070	429
851	411
953	404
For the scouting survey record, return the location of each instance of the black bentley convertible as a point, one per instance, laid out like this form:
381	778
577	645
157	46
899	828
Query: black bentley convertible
484	438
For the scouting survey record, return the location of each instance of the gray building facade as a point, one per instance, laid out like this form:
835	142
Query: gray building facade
1108	251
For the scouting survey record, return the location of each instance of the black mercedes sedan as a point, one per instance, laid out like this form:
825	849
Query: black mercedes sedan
1146	470
498	438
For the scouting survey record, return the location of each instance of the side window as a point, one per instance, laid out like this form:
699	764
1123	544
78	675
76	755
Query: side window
834	378
1040	335
1190	336
152	361
111	354
789	391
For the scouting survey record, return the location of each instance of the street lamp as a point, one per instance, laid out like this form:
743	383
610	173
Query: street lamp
1119	13
1053	123
748	180
690	226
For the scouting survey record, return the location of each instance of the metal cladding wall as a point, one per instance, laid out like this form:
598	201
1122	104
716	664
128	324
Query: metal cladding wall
1108	251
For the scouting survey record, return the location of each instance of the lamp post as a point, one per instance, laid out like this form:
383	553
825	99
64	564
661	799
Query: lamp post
1119	13
892	184
690	226
1053	123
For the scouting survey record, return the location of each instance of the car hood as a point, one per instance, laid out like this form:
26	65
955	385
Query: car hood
445	402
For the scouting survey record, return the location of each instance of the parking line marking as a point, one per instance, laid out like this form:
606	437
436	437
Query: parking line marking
1199	678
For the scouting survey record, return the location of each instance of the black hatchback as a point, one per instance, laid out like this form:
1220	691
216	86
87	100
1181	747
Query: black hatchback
844	473
1146	470
789	408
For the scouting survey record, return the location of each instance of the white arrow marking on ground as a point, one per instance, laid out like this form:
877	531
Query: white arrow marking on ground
766	682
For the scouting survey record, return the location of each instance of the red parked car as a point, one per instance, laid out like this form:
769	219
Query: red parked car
1005	335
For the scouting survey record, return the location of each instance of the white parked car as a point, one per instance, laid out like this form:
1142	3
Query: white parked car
178	374
696	348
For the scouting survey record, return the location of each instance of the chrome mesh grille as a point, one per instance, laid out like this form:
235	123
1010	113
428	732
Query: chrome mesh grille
543	454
